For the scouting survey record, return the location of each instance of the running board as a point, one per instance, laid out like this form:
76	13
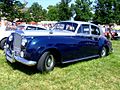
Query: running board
79	59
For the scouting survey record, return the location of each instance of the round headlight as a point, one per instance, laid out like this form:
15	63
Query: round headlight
10	38
24	41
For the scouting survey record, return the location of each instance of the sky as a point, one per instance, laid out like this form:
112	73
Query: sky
44	3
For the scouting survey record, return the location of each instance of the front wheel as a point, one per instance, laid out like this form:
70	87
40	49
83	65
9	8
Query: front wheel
103	52
46	62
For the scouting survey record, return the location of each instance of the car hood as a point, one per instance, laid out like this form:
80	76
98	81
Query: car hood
44	32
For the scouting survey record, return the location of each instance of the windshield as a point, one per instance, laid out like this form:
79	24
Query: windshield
68	26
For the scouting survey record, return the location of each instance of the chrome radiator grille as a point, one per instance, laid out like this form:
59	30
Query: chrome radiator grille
17	43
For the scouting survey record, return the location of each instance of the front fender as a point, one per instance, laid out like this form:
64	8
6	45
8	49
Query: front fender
37	46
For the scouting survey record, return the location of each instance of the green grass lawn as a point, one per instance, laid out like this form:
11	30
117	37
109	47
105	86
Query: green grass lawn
94	74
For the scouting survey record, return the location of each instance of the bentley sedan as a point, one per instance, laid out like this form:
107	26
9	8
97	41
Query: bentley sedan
67	41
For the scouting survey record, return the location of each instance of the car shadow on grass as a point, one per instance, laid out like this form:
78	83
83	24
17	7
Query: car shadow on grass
72	63
31	70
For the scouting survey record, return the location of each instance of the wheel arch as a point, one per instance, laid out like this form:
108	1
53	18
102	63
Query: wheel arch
104	44
5	38
107	48
56	53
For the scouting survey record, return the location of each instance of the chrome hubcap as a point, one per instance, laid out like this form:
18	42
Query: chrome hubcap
50	61
103	53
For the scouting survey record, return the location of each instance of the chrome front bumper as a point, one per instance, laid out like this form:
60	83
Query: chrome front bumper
12	58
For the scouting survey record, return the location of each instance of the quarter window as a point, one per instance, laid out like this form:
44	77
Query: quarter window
95	30
84	29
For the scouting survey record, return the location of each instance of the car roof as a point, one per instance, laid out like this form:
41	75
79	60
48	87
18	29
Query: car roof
32	25
78	22
28	25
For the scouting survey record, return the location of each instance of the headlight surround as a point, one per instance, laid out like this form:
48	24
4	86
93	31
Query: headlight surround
24	41
10	37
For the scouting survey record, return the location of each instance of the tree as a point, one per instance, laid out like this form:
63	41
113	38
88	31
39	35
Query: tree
11	9
27	16
64	11
83	10
37	12
52	13
117	11
60	11
6	7
107	11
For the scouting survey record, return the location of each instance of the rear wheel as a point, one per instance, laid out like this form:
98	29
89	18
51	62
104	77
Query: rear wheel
103	52
46	62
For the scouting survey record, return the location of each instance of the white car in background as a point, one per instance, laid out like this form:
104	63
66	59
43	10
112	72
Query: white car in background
5	32
30	27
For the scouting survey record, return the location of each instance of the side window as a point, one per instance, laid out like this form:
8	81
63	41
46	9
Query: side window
59	26
79	30
95	30
31	28
84	28
70	27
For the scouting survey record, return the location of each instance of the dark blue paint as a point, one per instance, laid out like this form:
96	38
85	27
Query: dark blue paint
70	47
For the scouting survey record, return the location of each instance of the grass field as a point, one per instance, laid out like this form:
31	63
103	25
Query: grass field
94	74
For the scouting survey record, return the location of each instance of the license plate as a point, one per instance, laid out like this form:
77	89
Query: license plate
9	59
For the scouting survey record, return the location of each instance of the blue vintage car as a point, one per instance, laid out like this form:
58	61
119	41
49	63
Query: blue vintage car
67	41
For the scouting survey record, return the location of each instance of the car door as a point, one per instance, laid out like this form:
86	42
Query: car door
95	35
87	43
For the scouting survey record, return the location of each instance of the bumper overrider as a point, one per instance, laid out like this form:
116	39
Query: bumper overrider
13	58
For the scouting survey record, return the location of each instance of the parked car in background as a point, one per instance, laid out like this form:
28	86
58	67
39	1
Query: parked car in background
30	27
68	41
118	33
111	34
5	31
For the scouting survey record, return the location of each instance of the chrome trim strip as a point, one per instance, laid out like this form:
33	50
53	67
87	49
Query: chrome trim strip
80	59
8	54
19	59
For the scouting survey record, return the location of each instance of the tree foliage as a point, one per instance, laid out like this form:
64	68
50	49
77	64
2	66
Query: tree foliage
11	9
64	11
52	14
36	12
107	11
60	11
117	11
83	10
